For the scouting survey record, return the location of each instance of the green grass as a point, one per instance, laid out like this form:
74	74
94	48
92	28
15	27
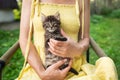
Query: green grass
8	38
105	31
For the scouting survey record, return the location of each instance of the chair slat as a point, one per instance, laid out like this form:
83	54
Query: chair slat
97	48
10	52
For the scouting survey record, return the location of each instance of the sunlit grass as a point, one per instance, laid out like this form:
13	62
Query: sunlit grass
106	32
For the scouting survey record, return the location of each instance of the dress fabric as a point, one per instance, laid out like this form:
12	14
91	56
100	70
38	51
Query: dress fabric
104	69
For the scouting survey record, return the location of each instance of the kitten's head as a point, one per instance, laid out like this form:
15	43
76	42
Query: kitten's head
51	23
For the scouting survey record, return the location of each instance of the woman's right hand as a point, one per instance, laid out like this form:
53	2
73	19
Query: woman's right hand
54	73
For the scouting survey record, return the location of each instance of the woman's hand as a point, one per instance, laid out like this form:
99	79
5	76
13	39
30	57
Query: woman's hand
68	48
54	73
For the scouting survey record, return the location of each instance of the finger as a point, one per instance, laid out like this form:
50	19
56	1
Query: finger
70	63
65	71
56	52
58	64
54	47
57	43
60	44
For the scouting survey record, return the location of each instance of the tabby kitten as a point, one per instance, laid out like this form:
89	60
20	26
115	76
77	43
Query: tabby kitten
51	25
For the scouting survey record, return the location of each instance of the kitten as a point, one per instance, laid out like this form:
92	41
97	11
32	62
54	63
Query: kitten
51	25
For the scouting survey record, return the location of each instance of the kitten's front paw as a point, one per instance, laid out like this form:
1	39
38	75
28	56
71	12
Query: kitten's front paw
61	38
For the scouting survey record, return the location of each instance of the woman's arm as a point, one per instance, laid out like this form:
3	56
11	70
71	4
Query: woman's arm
33	58
84	43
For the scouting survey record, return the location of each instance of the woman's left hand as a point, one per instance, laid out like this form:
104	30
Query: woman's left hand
68	48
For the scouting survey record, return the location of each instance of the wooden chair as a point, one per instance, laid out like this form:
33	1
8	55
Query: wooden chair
5	58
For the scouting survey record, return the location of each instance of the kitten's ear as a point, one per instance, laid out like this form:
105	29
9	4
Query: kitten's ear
57	15
43	17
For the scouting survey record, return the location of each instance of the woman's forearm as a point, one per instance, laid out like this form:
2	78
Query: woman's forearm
83	45
33	57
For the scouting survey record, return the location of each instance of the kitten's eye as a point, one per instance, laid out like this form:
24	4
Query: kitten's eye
55	25
46	25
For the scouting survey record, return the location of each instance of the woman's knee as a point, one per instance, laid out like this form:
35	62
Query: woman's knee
104	60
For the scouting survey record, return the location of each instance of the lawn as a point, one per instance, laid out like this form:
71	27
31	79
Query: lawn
104	30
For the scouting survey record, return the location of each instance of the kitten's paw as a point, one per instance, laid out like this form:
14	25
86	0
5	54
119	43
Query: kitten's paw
61	39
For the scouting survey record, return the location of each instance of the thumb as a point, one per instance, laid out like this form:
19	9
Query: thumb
63	33
58	64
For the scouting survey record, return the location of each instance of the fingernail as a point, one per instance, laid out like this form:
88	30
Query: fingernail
65	60
48	43
48	49
51	40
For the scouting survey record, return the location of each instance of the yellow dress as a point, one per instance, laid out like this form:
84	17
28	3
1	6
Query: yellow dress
104	68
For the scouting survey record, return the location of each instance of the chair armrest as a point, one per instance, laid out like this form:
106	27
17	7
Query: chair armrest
4	59
97	48
9	53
